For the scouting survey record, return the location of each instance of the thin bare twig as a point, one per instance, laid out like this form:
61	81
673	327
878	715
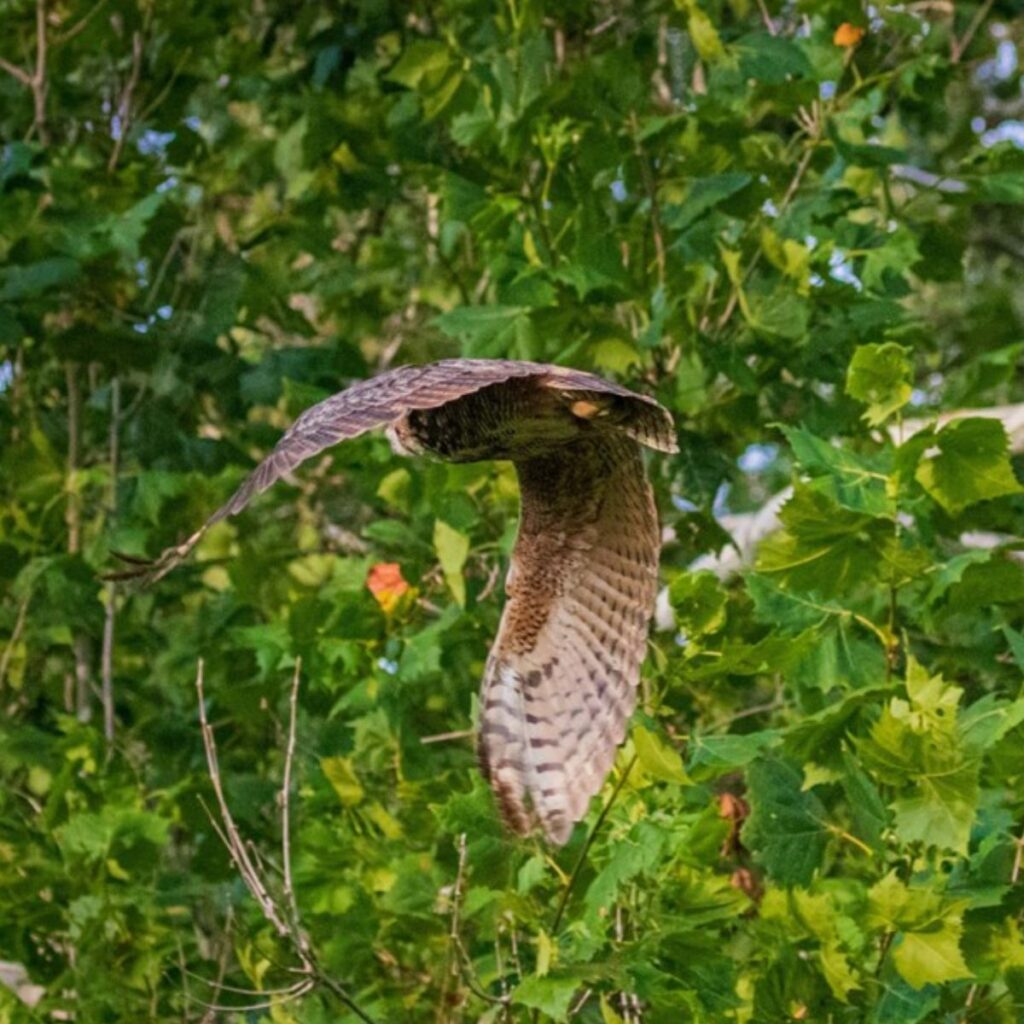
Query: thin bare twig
444	737
39	77
285	921
155	102
124	105
463	963
79	25
651	188
958	47
1018	860
19	625
35	80
492	582
77	685
591	836
237	989
791	190
297	991
110	618
16	72
286	786
767	18
229	832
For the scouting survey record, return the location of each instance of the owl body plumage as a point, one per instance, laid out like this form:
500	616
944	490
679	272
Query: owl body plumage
560	681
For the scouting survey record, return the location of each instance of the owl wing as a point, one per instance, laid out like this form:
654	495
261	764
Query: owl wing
363	406
560	682
381	400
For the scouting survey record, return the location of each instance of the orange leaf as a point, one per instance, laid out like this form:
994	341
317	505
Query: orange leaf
848	35
387	584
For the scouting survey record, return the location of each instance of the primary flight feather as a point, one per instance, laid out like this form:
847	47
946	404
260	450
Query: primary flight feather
561	677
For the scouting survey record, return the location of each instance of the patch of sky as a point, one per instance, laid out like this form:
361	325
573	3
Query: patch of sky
841	269
683	504
756	458
720	506
153	142
1006	131
618	190
6	375
1002	66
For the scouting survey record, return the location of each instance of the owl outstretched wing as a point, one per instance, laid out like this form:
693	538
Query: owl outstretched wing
380	400
561	678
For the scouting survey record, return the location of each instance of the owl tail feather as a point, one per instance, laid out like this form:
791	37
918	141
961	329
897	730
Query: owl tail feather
519	752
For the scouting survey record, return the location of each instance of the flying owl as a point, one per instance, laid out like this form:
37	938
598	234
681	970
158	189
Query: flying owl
561	677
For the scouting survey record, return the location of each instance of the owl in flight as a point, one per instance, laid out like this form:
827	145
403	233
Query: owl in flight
561	677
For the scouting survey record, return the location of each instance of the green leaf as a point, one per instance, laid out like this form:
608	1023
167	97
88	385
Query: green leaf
452	547
432	70
702	31
879	376
716	755
771	59
703	195
657	758
608	1015
699	602
931	957
786	828
343	779
552	996
126	230
850	480
916	747
420	59
30	279
1016	643
972	464
822	732
639	853
823	548
866	805
486	330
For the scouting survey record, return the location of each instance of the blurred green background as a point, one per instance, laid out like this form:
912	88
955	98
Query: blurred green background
800	225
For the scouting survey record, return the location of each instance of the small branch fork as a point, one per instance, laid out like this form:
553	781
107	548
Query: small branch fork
35	80
282	914
461	964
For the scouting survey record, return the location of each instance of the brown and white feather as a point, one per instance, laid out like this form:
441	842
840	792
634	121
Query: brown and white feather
561	679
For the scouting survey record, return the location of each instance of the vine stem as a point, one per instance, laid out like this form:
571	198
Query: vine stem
581	859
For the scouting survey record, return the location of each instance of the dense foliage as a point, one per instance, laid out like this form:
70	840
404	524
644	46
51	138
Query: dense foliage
798	224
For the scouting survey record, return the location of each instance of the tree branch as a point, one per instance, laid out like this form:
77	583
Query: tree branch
124	105
16	72
284	920
110	617
958	47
